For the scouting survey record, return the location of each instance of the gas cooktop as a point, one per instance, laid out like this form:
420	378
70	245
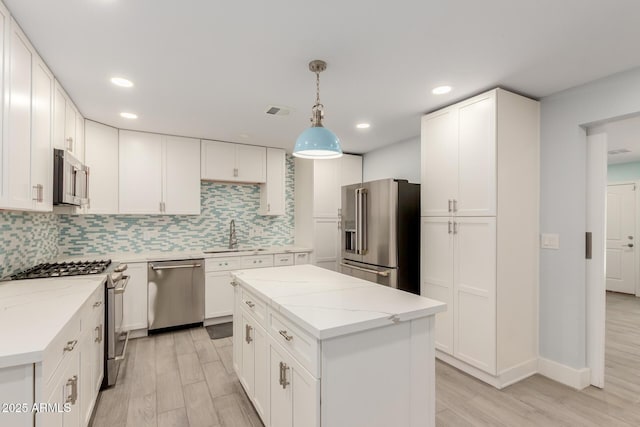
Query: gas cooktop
62	269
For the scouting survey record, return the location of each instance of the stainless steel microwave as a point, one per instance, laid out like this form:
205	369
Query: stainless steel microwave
70	180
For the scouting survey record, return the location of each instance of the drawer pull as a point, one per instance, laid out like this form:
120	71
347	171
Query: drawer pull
70	345
284	334
283	375
73	396
250	304
234	283
97	304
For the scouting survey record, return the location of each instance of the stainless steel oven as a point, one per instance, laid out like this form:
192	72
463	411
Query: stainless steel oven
116	339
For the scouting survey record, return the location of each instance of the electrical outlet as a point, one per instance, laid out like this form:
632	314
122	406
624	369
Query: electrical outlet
550	241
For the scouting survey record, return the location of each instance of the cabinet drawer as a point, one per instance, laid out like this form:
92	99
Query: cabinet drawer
257	261
94	304
64	345
255	306
282	259
301	345
301	258
222	264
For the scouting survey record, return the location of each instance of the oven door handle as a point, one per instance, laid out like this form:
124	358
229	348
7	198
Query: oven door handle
121	289
124	349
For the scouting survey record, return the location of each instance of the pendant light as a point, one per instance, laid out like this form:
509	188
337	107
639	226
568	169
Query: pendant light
317	142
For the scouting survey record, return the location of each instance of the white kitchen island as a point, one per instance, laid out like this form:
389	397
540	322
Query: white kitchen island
313	347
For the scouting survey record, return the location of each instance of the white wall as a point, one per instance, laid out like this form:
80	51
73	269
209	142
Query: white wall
400	160
623	172
563	198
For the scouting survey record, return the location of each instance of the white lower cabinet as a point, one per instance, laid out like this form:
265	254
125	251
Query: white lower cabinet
295	393
134	312
254	364
218	295
70	375
459	268
218	290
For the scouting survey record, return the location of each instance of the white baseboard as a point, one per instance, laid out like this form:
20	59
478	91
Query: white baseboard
502	380
138	333
576	378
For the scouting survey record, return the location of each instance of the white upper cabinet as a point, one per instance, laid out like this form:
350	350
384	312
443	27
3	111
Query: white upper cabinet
272	193
158	174
140	174
101	156
68	126
27	156
226	161
459	159
181	178
18	162
43	85
5	23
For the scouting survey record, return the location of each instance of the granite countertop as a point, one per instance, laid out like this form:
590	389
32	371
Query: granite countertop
168	256
33	312
328	304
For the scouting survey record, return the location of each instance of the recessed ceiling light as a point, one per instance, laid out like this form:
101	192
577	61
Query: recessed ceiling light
129	115
363	125
120	81
441	90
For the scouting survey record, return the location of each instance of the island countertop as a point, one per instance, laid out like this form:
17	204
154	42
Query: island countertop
33	312
329	304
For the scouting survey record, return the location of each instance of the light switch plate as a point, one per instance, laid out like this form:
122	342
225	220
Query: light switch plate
550	241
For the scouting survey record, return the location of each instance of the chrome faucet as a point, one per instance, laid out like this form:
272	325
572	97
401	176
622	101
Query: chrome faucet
233	239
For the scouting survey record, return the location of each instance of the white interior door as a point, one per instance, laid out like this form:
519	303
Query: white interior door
621	229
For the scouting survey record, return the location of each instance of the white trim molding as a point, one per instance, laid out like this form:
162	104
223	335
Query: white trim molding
502	380
576	378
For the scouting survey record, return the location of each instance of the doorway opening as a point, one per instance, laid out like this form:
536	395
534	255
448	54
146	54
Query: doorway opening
613	272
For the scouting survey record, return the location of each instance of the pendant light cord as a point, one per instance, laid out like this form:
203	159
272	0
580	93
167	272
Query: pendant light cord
317	89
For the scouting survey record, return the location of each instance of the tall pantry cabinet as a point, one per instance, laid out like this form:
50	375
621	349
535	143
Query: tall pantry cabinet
480	196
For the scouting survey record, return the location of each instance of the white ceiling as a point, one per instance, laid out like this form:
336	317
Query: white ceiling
621	134
209	68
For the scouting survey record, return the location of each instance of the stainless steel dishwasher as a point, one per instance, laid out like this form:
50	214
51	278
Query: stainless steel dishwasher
176	293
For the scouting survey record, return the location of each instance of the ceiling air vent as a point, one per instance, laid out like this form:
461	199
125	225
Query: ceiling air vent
276	110
619	151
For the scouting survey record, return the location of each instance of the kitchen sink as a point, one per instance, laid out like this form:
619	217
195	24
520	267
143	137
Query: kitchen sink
224	251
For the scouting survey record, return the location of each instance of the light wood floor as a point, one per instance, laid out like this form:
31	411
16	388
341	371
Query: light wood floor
186	379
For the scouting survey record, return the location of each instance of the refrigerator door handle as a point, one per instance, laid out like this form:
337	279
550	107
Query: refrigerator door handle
356	193
363	221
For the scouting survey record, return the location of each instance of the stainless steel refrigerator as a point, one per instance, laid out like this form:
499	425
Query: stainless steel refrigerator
380	229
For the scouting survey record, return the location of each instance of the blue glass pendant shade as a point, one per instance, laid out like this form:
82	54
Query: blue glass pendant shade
317	142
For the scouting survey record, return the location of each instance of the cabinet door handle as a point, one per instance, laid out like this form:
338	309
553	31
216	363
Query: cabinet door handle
247	333
234	283
284	334
455	228
450	203
235	171
73	396
283	375
449	227
69	143
250	304
268	207
98	330
70	346
455	205
97	304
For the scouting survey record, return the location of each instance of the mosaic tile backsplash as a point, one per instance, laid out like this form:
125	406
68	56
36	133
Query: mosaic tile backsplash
220	203
26	239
